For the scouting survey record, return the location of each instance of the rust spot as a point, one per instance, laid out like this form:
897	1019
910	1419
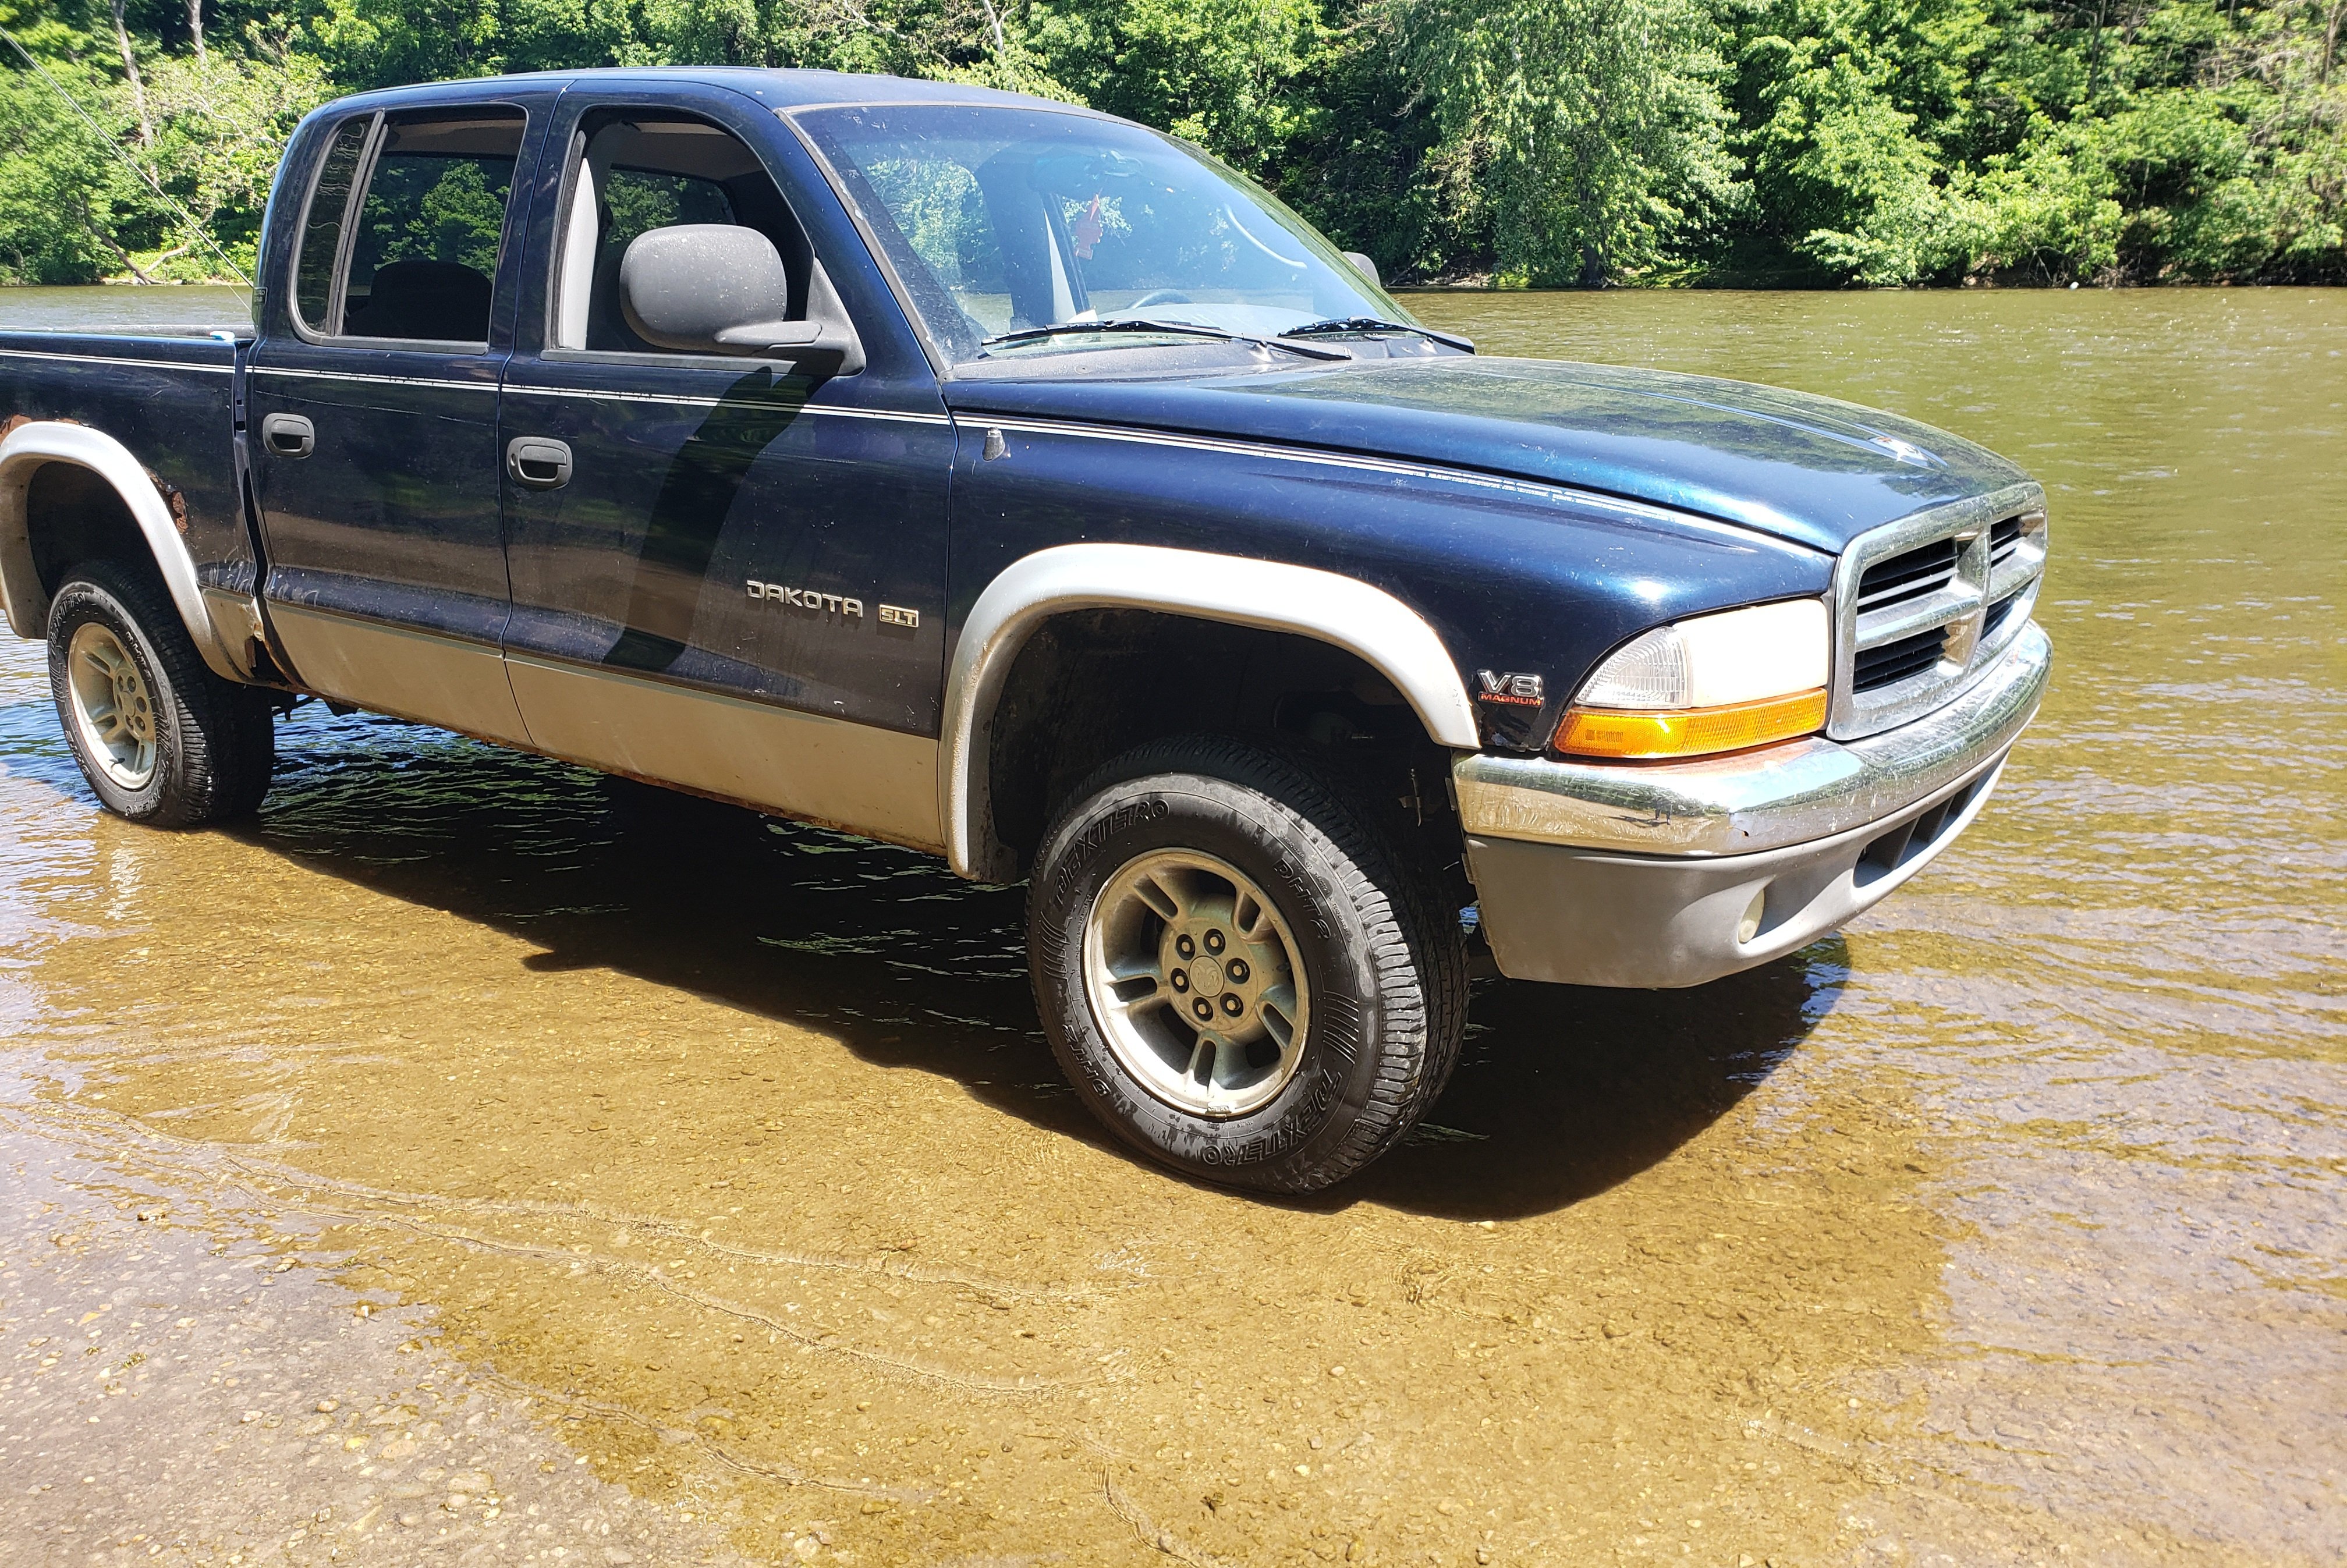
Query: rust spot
17	421
173	498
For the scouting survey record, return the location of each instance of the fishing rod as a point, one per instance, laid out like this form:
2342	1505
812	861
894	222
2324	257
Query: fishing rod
114	147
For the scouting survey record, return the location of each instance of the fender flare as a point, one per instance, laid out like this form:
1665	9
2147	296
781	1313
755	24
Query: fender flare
1391	637
32	446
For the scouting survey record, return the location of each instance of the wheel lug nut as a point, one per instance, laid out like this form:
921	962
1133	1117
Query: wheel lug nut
1232	1005
1214	941
1203	1008
1179	979
1238	969
1187	948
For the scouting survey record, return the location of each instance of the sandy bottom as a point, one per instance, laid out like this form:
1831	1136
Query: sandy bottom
615	1162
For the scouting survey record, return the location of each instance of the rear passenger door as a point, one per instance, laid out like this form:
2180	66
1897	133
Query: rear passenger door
373	415
728	573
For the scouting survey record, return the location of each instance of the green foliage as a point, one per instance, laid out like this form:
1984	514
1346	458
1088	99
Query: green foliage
1819	142
1229	75
1594	128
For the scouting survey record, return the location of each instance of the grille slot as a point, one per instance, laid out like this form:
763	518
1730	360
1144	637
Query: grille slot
2003	540
1875	668
1909	576
1998	614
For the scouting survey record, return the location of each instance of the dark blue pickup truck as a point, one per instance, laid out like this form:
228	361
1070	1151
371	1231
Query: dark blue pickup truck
1007	480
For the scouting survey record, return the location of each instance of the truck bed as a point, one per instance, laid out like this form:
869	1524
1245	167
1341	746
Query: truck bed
167	399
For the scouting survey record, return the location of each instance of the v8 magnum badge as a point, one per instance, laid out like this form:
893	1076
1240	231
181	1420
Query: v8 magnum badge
1517	691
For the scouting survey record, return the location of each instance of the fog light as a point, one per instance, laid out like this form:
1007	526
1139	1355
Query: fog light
1749	926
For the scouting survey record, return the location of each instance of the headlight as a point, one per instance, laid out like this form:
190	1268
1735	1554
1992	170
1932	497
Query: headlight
1713	683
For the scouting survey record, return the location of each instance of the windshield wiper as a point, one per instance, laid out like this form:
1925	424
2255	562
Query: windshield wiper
1377	325
1175	329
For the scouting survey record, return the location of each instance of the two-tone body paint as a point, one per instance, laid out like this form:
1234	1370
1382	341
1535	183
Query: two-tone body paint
389	528
693	477
1534	516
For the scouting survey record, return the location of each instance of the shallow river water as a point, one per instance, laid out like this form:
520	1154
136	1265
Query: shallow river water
474	1156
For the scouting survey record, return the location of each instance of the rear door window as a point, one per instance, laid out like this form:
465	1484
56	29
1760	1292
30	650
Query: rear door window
420	260
321	229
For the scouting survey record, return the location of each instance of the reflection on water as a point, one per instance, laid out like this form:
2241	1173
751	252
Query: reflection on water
2004	1227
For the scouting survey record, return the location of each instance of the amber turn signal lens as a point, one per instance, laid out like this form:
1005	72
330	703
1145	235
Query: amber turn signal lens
1689	731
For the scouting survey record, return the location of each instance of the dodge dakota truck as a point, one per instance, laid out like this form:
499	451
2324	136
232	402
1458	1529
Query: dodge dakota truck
997	477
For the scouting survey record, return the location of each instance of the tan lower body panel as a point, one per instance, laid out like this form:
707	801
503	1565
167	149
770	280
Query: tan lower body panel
869	781
410	674
237	620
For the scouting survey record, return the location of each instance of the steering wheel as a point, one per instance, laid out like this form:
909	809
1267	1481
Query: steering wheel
1160	297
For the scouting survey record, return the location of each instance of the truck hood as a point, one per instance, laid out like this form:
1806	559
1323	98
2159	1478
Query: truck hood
1809	470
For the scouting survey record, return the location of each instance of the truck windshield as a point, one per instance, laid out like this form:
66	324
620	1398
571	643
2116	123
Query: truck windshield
1003	221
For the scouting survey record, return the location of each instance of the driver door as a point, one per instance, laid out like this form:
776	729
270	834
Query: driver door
728	573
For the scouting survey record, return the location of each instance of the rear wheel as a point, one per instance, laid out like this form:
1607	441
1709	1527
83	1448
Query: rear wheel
1237	976
160	738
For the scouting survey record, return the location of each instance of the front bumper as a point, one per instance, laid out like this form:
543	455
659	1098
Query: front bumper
1675	874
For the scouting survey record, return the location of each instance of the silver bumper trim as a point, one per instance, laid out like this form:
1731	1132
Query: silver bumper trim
1761	800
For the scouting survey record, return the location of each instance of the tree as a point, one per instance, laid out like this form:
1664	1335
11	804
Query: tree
1594	128
1231	75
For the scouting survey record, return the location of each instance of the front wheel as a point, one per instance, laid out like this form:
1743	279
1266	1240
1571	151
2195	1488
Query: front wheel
1236	975
161	739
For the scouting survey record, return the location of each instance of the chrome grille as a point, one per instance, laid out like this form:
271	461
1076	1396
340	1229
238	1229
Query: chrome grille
1922	605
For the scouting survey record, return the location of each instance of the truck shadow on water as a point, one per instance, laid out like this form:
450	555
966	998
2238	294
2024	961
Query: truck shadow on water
1560	1093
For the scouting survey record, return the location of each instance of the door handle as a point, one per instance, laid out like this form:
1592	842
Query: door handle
538	461
288	436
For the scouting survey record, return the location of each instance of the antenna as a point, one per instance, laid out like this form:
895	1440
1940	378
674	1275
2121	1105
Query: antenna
114	147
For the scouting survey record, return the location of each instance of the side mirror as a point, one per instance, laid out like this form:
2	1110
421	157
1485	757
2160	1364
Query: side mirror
1363	265
719	288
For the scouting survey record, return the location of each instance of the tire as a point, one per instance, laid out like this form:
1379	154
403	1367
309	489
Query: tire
161	739
1200	838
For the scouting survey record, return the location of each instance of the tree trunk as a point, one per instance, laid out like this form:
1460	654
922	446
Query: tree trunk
130	69
196	27
993	20
2330	38
2095	54
1592	267
90	221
